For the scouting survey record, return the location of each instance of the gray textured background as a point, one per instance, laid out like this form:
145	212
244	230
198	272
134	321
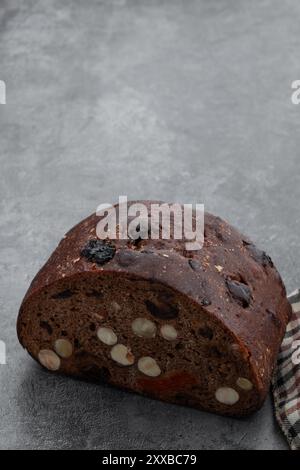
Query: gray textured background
178	100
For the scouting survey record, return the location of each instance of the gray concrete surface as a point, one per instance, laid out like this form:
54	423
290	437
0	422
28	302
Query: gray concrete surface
175	100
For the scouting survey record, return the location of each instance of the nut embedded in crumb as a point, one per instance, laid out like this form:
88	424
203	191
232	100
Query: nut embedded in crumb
107	336
63	348
143	327
115	306
122	355
227	396
148	366
49	359
244	383
168	332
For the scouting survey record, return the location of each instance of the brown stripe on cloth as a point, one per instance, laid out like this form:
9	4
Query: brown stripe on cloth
286	378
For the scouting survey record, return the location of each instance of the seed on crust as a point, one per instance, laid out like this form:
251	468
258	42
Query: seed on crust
143	327
168	332
107	335
122	355
244	383
227	396
63	348
148	366
239	292
49	359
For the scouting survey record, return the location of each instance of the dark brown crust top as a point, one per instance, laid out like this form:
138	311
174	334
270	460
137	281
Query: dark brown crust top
229	277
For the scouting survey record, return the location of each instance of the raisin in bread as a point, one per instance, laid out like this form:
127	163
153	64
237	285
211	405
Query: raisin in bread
199	328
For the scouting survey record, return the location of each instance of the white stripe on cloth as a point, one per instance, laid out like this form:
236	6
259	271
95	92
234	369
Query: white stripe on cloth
286	379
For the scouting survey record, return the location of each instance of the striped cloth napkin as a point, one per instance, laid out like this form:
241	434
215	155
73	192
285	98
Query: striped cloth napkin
286	378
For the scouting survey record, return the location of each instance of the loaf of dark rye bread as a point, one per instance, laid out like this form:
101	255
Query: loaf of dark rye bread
198	328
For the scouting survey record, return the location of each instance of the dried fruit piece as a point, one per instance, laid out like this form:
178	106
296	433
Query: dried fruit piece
205	302
244	383
122	355
107	335
258	255
169	383
49	359
148	366
168	332
274	318
63	348
240	292
65	294
143	327
195	265
227	396
98	251
161	309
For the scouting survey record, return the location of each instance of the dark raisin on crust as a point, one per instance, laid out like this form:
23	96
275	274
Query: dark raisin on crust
65	294
160	309
205	302
239	292
274	318
98	251
195	265
258	255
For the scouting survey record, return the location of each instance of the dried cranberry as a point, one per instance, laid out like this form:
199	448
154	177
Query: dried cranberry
98	251
240	292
